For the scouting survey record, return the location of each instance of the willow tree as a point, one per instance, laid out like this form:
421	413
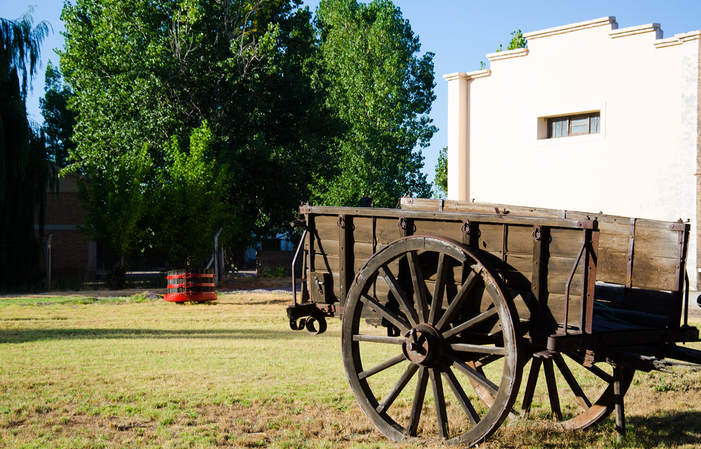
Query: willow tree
23	171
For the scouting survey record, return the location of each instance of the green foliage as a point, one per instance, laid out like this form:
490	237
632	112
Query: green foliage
441	178
23	171
517	41
246	68
383	92
58	120
189	205
116	198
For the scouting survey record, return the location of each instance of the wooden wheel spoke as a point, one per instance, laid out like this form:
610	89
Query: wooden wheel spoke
382	366
400	295
572	382
480	349
530	386
379	339
398	387
458	301
461	397
386	313
484	361
552	389
438	289
417	281
439	400
598	372
479	319
417	405
474	375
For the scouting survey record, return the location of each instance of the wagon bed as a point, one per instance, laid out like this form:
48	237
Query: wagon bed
466	295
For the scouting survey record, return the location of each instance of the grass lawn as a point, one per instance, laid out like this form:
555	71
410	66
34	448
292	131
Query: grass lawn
77	371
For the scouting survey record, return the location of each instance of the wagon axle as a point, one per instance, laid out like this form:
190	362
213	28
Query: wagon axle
423	345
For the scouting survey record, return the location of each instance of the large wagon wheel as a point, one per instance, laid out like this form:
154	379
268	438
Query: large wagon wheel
591	388
448	321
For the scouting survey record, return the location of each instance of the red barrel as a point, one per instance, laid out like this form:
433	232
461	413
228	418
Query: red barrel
190	285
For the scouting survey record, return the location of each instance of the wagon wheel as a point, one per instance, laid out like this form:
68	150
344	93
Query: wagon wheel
590	389
449	323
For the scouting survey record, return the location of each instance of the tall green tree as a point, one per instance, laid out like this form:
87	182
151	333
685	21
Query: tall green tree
382	89
23	170
58	119
147	71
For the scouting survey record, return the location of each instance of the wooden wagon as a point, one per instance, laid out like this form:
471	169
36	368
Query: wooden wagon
444	304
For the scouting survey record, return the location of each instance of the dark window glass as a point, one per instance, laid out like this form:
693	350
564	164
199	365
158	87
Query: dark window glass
575	125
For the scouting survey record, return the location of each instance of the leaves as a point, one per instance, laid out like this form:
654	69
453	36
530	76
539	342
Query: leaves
383	92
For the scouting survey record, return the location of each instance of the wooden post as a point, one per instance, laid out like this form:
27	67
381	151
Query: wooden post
48	262
618	401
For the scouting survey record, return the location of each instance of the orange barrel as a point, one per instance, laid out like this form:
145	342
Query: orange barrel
190	285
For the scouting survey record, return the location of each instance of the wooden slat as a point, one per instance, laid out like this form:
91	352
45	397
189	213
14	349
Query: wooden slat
325	262
559	270
327	227
447	229
556	310
654	273
519	240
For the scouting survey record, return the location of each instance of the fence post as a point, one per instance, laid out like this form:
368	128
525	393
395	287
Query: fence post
48	262
216	257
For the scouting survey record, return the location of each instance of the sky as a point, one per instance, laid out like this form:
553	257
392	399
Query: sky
459	32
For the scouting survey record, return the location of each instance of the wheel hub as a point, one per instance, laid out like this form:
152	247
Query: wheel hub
423	345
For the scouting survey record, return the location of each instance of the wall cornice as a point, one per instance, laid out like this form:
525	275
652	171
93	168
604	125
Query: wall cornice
467	76
508	54
604	21
641	29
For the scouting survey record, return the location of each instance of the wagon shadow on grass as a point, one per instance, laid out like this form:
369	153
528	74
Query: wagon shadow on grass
675	428
31	335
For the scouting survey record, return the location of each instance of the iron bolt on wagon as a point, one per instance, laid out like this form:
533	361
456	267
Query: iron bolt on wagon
444	304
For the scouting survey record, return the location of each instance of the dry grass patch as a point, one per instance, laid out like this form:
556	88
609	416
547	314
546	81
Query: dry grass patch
135	371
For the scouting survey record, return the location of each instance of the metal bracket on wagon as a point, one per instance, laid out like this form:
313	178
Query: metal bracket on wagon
311	317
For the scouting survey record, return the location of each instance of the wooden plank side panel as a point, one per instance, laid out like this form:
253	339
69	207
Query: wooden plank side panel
439	228
559	270
555	312
326	227
655	242
519	239
655	273
362	229
326	263
565	242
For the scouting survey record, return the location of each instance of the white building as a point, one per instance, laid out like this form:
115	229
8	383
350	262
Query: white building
589	117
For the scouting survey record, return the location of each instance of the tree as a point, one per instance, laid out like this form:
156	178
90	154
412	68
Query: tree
58	120
195	181
517	41
244	67
383	91
441	178
23	170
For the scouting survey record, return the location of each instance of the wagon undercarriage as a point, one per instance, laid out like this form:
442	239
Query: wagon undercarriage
446	307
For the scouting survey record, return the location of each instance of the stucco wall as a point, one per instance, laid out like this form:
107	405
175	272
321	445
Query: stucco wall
643	163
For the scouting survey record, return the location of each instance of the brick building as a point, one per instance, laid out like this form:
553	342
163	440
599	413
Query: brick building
72	255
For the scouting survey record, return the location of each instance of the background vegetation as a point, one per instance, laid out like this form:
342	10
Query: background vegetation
186	116
297	107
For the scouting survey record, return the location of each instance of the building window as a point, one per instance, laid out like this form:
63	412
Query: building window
574	125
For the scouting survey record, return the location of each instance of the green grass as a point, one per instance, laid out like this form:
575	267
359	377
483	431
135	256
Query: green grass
78	371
